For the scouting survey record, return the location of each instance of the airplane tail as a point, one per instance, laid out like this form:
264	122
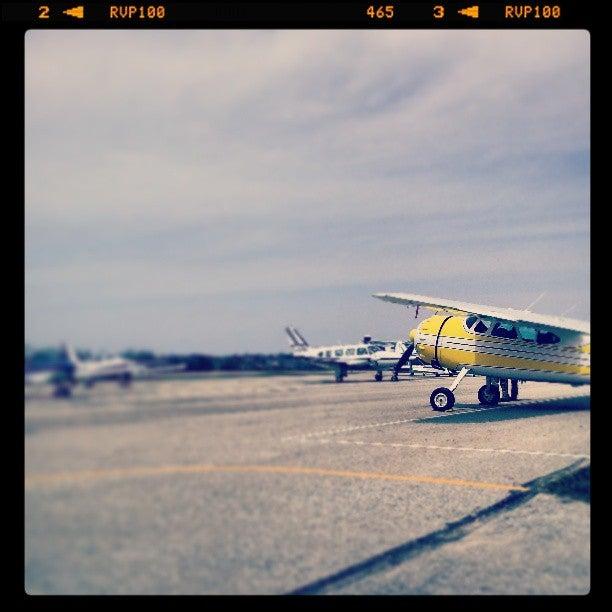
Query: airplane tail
296	339
71	355
300	337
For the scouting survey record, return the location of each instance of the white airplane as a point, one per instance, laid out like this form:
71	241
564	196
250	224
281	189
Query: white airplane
76	371
367	355
498	343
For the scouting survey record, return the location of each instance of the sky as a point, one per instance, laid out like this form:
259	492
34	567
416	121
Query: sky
199	190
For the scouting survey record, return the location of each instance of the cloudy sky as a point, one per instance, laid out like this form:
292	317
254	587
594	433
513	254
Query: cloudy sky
198	190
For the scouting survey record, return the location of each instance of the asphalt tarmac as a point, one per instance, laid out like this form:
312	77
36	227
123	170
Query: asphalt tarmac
296	484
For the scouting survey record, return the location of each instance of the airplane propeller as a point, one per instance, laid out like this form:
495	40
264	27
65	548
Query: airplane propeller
404	358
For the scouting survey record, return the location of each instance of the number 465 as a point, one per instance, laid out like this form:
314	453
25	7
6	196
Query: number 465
381	12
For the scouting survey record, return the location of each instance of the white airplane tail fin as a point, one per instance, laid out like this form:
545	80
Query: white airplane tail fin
71	354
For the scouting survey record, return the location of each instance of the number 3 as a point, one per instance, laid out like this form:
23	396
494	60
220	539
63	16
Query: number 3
438	12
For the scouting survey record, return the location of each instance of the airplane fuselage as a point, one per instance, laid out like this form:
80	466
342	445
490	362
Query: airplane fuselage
107	369
502	350
354	356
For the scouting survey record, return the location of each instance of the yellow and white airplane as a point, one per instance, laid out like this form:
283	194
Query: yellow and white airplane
497	343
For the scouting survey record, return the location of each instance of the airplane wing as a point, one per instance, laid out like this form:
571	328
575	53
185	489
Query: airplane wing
506	314
152	371
39	378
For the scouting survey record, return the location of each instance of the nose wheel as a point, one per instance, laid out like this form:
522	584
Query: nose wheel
341	372
62	390
442	399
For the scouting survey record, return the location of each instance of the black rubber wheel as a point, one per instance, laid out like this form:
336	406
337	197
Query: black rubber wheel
488	395
394	377
378	376
62	391
442	399
513	392
125	380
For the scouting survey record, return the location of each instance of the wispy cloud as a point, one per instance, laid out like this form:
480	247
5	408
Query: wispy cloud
224	182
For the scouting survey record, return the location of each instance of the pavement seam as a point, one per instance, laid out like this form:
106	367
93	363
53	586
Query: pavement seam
451	532
140	412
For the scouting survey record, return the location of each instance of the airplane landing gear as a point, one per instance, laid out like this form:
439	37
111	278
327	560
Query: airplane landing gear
125	380
341	373
488	395
514	390
394	377
378	376
443	399
62	391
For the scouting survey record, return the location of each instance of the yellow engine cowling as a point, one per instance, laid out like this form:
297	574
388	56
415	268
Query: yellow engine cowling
428	333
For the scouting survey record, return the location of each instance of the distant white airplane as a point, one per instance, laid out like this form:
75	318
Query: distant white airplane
369	354
89	372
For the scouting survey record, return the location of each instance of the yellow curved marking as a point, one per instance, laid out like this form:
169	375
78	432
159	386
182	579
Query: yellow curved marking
59	478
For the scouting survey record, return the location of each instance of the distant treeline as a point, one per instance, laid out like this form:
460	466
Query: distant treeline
49	358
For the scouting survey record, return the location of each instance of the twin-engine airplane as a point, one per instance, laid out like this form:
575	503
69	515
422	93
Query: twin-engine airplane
339	357
497	343
370	354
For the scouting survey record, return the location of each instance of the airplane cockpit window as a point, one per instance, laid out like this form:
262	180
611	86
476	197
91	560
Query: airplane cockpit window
528	333
469	321
503	329
321	353
338	352
328	353
362	351
546	337
482	326
350	352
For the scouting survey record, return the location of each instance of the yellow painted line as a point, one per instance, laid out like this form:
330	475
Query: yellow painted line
89	475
